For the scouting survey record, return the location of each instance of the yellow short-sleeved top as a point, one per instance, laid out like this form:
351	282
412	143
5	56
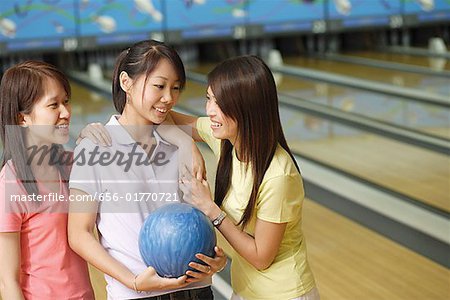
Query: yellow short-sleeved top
279	200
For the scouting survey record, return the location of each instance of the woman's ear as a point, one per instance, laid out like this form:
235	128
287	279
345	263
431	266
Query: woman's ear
125	81
22	120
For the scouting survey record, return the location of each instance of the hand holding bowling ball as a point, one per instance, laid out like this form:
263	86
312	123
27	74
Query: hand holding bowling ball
171	237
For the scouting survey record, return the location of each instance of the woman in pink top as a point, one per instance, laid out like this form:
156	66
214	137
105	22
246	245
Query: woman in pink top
35	258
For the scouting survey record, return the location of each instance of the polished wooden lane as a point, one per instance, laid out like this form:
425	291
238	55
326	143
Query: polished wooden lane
427	62
398	78
397	111
98	283
420	174
352	262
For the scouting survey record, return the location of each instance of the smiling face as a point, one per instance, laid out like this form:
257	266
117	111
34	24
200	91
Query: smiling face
223	127
49	119
150	99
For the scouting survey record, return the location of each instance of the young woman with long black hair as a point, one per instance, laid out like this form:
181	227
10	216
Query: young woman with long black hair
257	204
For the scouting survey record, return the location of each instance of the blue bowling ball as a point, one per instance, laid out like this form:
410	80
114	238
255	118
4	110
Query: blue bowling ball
172	235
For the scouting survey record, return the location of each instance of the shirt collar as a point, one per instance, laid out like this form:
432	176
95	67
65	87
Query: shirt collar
124	138
158	137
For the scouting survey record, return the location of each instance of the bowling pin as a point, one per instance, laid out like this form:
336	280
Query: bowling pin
107	23
344	7
437	45
238	13
437	63
275	59
8	28
426	5
321	89
348	104
147	7
59	28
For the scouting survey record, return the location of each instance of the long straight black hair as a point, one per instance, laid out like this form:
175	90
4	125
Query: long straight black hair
21	87
245	92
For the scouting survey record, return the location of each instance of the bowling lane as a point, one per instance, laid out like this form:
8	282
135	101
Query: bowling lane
432	84
432	63
353	262
417	173
395	110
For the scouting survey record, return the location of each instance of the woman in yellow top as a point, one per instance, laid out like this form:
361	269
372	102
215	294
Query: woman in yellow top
259	190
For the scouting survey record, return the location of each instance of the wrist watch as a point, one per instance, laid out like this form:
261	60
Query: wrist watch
217	221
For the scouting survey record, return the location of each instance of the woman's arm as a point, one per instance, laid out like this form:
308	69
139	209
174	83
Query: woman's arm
186	121
81	237
259	250
97	133
190	154
10	262
184	137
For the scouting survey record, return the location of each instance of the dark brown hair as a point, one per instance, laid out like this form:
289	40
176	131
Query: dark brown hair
21	87
142	58
245	91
